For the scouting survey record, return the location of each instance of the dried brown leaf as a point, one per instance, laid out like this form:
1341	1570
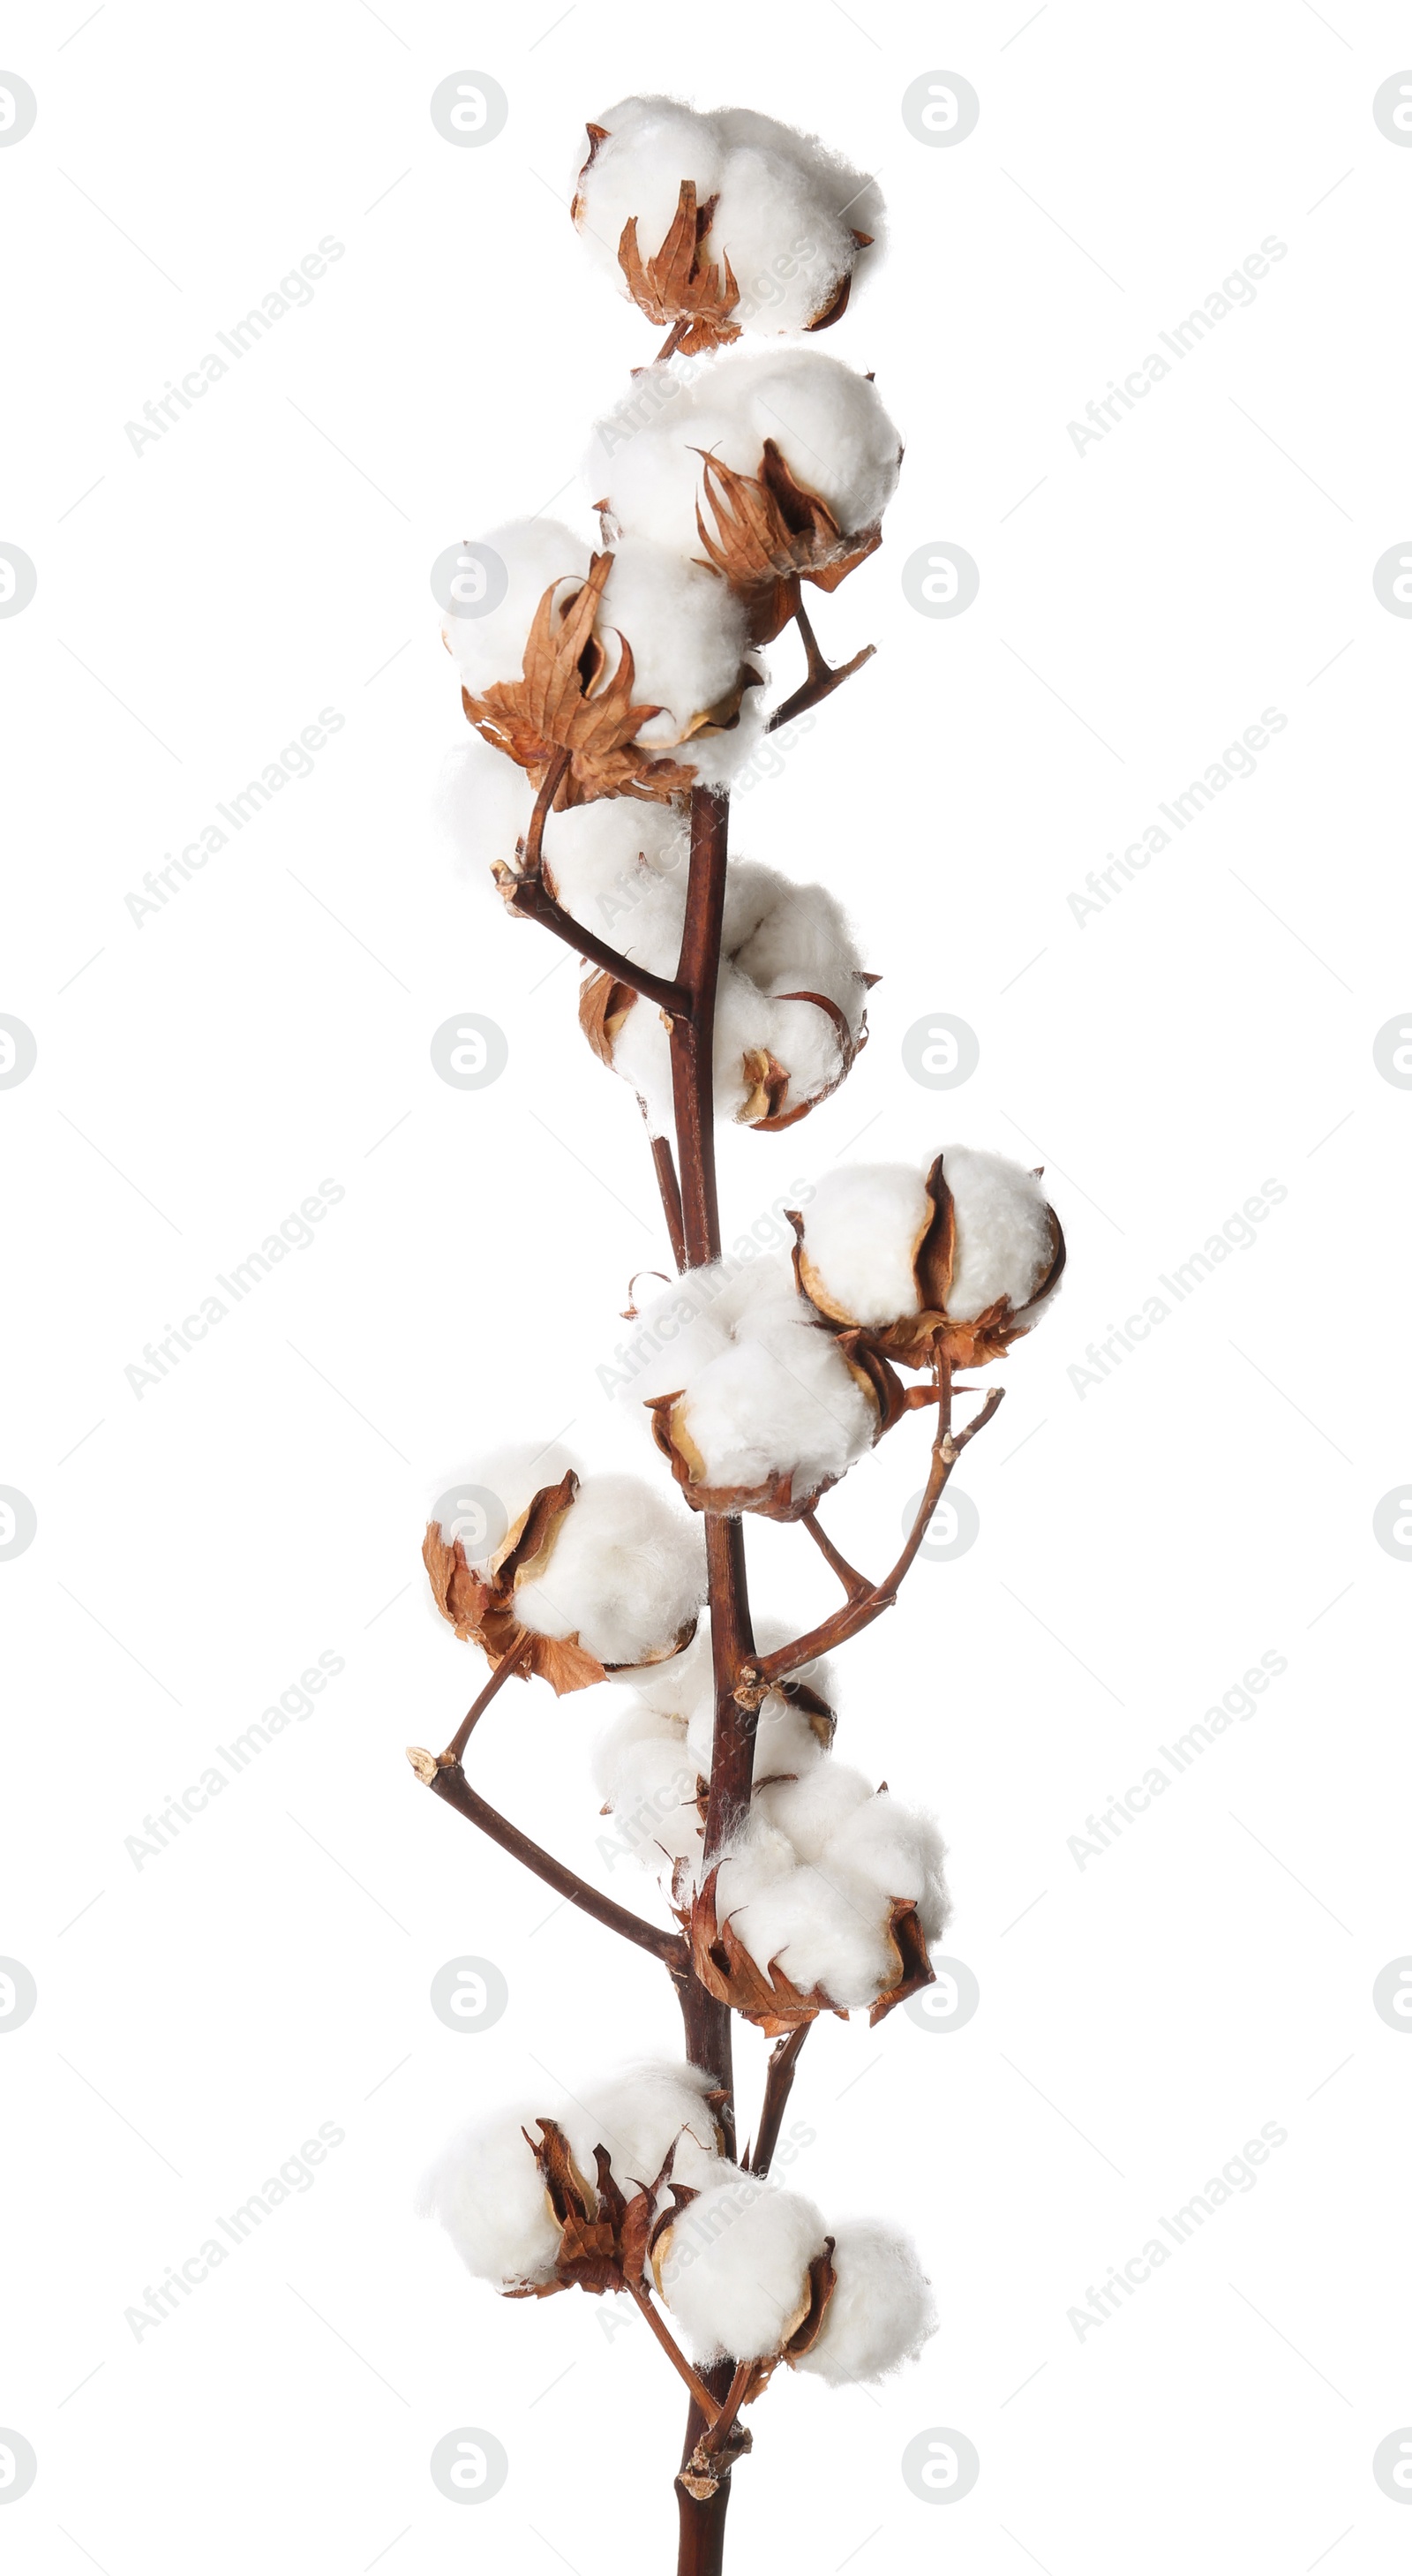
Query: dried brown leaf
678	284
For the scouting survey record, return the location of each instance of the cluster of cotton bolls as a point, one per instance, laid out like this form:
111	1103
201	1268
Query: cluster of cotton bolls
862	1239
767	1410
686	630
623	1567
487	2191
790	216
734	2271
827	422
809	1883
651	1761
733	2268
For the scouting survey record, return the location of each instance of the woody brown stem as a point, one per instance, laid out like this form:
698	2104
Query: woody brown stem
779	2077
735	2398
701	2549
819	680
670	1191
756	1679
854	1583
673	340
531	899
450	1783
700	2392
507	1665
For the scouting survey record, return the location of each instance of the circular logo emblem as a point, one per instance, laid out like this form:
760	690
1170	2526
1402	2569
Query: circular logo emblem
940	580
1392	1051
954	1526
1392	573
469	2465
469	1994
1392	1995
18	2465
940	108
18	1521
470	1051
18	108
941	2465
952	2001
18	1052
469	108
18	1994
18	578
941	1051
1392	1522
469	581
1392	2464
1392	107
475	1516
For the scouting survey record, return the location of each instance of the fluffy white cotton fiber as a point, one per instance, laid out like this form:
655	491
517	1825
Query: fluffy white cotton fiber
777	939
866	1220
828	422
686	629
485	2187
809	1883
482	1502
486	2191
765	1390
787	208
1003	1244
534	552
882	2310
734	2268
626	1574
636	2114
860	1230
647	1776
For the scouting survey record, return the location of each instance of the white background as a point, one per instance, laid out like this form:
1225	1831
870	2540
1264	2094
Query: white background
1142	1543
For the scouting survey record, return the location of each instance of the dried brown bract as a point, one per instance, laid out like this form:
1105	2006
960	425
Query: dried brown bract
915	1340
678	285
727	1970
770	533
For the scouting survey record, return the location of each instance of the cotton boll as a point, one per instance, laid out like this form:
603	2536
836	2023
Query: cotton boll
626	1573
898	1852
1003	1241
862	1226
765	1390
828	422
619	866
482	803
534	552
786	210
637	2114
822	1926
650	1784
813	1809
485	2189
687	632
734	2268
511	1476
651	145
882	2310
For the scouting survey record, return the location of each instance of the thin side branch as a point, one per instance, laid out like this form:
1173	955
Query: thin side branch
669	1189
530	897
719	2434
507	1665
854	1583
675	2355
819	681
760	1676
779	2077
449	1782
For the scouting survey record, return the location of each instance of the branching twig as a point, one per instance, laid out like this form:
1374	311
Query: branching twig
760	1676
449	1782
675	2355
854	1583
507	1665
820	681
779	2077
670	1190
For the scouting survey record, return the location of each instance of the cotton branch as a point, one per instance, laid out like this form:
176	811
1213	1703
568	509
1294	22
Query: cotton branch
779	2078
449	1782
760	1677
820	679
